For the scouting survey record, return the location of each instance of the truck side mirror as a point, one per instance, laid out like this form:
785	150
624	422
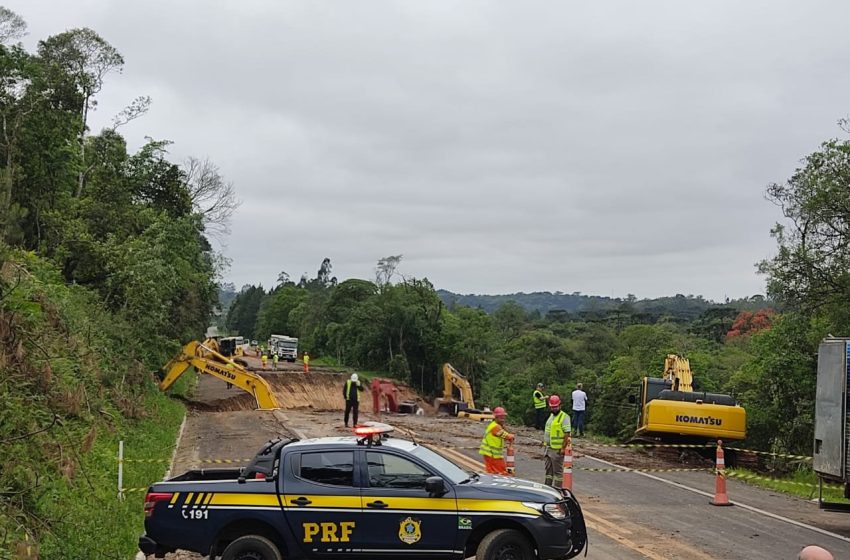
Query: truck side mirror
632	399
435	486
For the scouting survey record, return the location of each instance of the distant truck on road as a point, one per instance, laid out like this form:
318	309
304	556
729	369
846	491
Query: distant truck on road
285	347
832	433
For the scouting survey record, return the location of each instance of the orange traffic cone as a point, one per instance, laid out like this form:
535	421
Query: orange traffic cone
567	481
510	461
720	496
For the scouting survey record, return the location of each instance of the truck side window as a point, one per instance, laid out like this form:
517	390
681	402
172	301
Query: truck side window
391	471
330	467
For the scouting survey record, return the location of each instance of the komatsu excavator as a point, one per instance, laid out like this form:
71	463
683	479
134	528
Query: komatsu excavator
463	408
206	358
670	409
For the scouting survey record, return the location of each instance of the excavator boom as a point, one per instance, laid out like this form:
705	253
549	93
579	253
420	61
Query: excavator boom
453	378
205	359
465	407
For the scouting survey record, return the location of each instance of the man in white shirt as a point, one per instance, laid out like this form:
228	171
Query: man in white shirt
579	410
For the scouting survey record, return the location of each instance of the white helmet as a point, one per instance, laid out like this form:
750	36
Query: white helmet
354	377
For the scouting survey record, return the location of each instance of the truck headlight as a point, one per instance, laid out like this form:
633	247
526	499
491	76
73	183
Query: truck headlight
556	511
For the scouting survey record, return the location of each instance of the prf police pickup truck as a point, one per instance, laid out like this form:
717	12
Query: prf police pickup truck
367	496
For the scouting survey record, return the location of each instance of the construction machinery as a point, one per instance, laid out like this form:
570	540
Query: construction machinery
206	358
831	456
285	347
671	410
463	407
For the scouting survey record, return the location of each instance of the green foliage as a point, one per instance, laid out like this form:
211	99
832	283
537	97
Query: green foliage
73	381
104	271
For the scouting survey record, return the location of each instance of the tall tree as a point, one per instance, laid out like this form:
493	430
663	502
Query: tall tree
87	58
812	267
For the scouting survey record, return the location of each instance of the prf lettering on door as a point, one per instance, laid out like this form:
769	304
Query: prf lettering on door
330	532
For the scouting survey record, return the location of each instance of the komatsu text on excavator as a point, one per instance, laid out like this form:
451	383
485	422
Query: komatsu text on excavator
670	409
206	358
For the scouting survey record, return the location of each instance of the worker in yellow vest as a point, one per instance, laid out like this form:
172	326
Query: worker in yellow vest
351	393
493	443
306	359
264	359
540	413
556	437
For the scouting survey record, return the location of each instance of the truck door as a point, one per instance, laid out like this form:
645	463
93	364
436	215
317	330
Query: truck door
321	500
402	517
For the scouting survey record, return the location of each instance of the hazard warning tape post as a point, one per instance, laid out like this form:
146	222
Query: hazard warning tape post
567	481
510	460
720	496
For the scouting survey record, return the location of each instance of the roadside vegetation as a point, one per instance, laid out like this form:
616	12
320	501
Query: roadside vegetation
105	268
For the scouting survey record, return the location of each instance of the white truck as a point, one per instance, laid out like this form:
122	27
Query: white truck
832	418
285	347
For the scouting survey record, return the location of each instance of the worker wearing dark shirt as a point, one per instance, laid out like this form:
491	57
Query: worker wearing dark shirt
351	394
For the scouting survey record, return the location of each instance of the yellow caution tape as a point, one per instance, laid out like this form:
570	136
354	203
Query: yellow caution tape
131	490
641	445
747	476
642	470
205	461
769	454
697	446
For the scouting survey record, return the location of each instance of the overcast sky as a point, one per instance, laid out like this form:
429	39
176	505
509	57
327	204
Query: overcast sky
602	147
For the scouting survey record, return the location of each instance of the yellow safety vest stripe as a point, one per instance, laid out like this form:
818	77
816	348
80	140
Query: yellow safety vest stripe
539	401
492	445
556	431
348	386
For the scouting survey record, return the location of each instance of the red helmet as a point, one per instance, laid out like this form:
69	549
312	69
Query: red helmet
554	400
500	412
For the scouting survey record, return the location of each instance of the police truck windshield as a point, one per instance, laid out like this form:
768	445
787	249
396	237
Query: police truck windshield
446	467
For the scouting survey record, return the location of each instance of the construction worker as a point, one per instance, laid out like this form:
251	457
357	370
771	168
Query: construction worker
306	359
265	360
274	360
493	443
540	411
556	437
351	394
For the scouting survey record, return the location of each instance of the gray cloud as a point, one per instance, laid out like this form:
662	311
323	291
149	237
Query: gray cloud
613	148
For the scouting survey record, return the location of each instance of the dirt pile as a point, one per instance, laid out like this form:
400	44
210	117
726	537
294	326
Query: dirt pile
294	389
323	391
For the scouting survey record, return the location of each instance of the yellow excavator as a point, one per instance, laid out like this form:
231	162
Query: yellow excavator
465	406
206	358
671	410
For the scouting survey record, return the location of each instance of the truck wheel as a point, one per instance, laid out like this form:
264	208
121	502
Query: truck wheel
251	547
504	544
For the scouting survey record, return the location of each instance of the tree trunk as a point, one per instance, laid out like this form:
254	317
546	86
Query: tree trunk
82	175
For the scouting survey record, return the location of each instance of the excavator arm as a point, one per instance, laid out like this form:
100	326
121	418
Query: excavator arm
206	359
677	370
453	378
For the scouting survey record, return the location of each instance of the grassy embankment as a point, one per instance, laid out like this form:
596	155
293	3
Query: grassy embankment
73	382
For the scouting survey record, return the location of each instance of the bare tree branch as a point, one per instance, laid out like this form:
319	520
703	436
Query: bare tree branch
212	196
12	26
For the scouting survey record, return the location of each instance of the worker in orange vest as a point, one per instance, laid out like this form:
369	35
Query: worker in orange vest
306	359
493	443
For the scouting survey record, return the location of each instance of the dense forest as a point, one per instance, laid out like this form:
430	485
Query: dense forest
105	267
